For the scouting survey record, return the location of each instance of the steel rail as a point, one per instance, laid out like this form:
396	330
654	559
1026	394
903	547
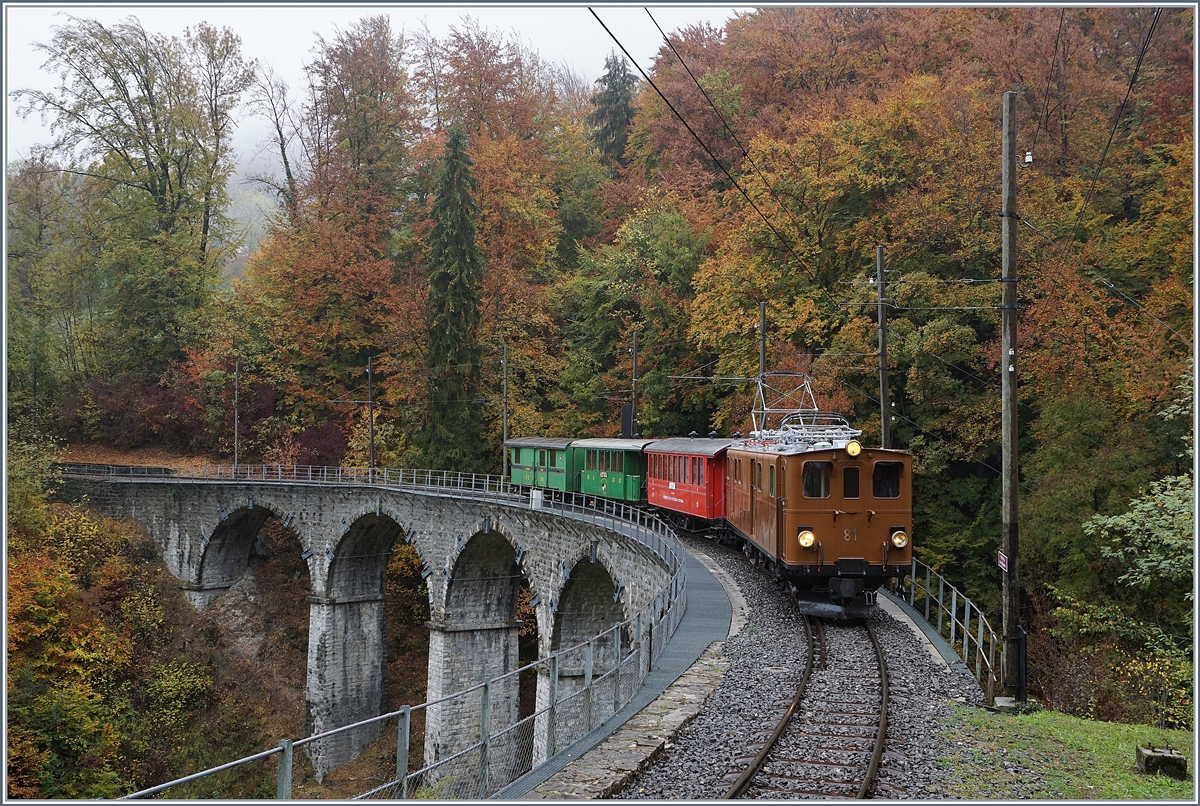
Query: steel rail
866	789
868	784
743	782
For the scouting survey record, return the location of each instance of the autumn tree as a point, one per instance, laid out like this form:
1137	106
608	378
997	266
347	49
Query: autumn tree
132	232
641	282
337	281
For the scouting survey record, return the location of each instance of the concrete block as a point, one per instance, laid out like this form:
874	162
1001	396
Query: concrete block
1007	705
1151	760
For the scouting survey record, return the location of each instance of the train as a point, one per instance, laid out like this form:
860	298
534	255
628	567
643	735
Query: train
829	516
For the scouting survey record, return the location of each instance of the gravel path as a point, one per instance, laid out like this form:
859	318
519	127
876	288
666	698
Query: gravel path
766	659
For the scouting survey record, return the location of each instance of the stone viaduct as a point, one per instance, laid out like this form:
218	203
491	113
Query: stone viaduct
585	576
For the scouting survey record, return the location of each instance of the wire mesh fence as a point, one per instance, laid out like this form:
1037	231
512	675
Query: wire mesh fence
494	749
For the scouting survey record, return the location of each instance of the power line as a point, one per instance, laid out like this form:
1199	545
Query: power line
707	150
1120	113
1104	280
1049	77
893	306
925	281
725	123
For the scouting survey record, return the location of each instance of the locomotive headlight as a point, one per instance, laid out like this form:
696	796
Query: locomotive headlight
806	538
853	448
899	538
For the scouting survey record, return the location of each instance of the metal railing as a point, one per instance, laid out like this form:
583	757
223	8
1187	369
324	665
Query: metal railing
616	516
585	684
952	619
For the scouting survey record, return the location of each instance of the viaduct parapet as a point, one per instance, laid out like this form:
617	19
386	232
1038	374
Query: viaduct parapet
586	572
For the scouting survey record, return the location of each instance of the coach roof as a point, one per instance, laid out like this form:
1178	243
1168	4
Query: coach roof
612	444
556	443
691	447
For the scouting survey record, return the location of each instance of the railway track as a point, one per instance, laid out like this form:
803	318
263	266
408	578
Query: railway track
829	740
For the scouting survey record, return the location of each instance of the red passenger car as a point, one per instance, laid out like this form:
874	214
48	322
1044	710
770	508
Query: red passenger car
688	476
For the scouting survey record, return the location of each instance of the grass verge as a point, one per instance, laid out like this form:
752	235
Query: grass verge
1051	756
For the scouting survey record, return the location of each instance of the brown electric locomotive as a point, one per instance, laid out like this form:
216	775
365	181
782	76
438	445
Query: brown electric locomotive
831	517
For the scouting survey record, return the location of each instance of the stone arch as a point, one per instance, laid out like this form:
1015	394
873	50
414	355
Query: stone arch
347	653
482	587
225	552
359	562
588	604
474	639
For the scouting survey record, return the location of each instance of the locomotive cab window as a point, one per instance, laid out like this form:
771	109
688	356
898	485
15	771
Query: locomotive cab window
850	482
772	481
885	480
816	479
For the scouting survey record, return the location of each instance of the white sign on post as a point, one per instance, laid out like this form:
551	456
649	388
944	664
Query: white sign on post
1002	559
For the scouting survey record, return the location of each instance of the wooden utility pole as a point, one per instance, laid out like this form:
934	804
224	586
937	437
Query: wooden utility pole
371	415
885	414
633	420
1010	556
504	415
236	367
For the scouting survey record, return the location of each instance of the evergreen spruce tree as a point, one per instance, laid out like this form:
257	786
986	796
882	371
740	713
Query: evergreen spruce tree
614	110
452	437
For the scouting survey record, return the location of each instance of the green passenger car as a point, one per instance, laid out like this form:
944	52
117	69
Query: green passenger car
543	462
611	468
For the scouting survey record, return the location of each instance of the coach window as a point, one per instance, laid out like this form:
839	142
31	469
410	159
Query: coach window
850	482
700	472
885	481
816	479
